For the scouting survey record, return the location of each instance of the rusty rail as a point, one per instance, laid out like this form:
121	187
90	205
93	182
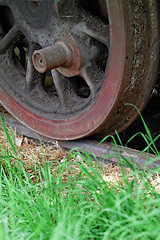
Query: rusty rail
105	150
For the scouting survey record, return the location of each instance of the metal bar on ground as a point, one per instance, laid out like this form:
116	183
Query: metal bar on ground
105	150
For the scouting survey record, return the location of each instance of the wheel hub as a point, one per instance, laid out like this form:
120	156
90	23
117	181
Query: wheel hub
58	55
58	51
63	56
76	51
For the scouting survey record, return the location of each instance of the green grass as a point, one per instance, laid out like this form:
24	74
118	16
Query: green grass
75	204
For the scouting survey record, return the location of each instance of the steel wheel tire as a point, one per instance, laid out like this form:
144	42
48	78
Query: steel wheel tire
129	77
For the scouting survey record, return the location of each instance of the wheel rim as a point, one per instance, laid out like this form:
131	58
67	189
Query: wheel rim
67	114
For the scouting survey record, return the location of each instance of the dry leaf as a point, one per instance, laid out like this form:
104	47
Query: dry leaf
18	141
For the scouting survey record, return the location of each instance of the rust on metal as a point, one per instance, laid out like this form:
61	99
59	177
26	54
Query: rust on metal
58	55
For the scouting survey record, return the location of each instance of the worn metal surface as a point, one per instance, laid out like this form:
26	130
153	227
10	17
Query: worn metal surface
104	151
116	54
58	55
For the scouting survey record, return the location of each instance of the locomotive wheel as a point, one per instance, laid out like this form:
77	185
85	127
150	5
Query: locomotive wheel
67	68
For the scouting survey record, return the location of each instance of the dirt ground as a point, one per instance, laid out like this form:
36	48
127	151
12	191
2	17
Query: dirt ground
31	152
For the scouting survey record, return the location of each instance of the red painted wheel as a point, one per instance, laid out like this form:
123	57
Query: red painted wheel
67	68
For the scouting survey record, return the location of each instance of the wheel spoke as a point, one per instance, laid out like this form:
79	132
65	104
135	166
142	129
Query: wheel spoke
92	77
10	39
33	77
66	91
60	83
95	29
1	33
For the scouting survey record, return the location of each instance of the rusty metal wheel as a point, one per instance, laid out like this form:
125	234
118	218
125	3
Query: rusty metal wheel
67	68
